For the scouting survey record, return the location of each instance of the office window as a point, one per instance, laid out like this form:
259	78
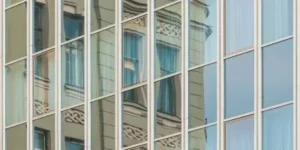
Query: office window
203	139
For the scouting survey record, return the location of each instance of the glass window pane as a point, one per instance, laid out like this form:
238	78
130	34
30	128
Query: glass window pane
171	143
44	133
203	96
239	25
72	73
278	129
103	124
159	3
143	147
168	40
168	106
15	96
135	51
277	19
73	120
133	8
72	19
203	139
103	63
16	137
44	83
202	32
102	13
240	134
135	108
44	24
239	85
277	73
10	2
16	32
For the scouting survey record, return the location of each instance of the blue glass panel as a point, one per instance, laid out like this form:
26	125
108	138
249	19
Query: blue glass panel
203	139
239	85
240	134
278	129
277	76
277	19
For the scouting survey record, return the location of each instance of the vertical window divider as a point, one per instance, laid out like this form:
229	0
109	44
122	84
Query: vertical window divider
258	76
29	69
185	59
2	72
296	63
118	98
220	75
87	80
150	88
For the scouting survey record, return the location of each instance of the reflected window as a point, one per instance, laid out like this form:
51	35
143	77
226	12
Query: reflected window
167	55
239	94
240	134
203	96
133	8
38	30
278	129
74	144
203	139
277	73
166	97
202	32
44	133
277	19
74	26
41	139
239	25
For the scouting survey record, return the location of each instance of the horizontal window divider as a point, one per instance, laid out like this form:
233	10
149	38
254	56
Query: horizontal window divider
15	4
202	127
102	97
135	17
72	40
43	115
277	41
135	145
239	117
237	53
133	86
16	124
102	29
167	5
43	51
202	65
278	106
73	106
167	136
168	76
15	61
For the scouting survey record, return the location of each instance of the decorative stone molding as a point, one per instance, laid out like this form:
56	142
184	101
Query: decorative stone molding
74	116
40	107
173	142
139	21
168	29
135	133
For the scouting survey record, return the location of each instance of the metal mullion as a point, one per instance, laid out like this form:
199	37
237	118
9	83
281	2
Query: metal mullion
43	51
239	117
277	41
296	66
258	81
102	29
256	95
72	40
102	97
295	94
168	136
202	127
58	25
43	115
3	89
72	106
238	53
278	106
201	65
15	61
2	84
168	76
135	86
135	145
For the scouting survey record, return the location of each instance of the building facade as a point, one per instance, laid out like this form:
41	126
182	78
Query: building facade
150	75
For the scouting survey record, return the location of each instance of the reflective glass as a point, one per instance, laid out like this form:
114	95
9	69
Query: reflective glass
239	25
135	108
44	133
103	63
72	73
15	96
102	13
134	51
277	73
16	32
203	96
240	134
16	137
11	2
44	83
167	55
203	139
143	147
72	120
277	19
168	106
133	8
239	85
164	143
202	32
44	24
278	129
103	124
72	19
159	3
